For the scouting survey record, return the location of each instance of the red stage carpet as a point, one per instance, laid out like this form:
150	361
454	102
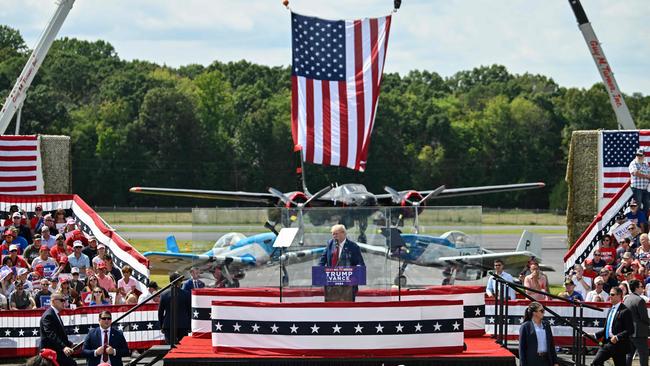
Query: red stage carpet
481	351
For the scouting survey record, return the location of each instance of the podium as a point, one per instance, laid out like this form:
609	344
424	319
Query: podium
340	283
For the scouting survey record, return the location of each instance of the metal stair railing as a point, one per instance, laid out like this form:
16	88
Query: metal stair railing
501	304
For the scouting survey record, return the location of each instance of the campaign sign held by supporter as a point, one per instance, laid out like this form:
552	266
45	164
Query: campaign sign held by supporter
45	301
338	276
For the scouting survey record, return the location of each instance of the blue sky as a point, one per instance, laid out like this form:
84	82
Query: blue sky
445	36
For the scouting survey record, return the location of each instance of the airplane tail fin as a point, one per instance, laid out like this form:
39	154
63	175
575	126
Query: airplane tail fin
172	246
530	242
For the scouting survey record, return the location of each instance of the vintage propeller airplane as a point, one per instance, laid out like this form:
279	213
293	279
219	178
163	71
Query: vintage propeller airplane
460	257
351	195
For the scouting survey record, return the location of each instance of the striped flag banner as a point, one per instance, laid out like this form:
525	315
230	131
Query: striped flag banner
20	337
20	165
90	223
617	149
603	223
473	298
337	67
592	320
338	329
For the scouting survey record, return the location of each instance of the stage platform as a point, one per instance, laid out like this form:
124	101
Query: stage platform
481	351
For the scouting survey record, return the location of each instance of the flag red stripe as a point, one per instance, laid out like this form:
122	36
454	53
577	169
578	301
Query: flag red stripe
17	189
309	96
19	168
616	175
343	127
358	75
18	158
374	59
27	178
294	109
327	120
18	138
18	148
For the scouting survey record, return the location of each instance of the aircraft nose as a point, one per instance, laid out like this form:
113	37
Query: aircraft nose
368	200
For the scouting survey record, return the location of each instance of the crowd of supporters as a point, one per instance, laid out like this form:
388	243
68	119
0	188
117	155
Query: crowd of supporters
46	253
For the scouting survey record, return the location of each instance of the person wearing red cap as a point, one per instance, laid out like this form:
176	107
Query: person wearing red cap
589	269
105	280
43	257
46	357
64	266
74	236
8	240
53	333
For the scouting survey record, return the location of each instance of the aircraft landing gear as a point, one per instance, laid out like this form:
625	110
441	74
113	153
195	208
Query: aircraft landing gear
363	225
285	277
449	275
400	279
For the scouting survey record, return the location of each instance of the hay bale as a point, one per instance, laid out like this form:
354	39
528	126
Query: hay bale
582	181
56	163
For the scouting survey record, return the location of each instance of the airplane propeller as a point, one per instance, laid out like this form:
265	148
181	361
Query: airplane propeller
397	197
299	205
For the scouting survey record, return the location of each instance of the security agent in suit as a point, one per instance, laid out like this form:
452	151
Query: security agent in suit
53	334
193	282
96	351
616	332
183	303
639	338
349	253
536	347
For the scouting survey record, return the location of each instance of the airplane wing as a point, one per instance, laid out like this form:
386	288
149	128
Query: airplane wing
254	197
387	198
373	249
516	260
165	262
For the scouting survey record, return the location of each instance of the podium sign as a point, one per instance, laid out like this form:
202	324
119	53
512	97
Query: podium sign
338	276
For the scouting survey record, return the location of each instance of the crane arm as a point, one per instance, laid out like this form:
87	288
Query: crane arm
623	116
17	95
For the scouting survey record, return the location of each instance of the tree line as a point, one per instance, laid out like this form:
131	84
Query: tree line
227	126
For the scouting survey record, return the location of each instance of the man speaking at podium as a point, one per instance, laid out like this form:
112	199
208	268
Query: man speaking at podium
341	252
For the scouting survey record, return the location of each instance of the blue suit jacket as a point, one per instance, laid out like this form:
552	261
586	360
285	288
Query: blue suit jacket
189	285
528	344
94	339
351	255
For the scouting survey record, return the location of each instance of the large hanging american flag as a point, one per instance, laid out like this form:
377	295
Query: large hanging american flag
336	71
20	165
617	149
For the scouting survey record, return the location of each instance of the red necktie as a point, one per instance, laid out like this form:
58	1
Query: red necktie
335	256
105	355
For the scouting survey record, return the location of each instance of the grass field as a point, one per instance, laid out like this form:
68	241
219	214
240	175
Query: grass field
254	217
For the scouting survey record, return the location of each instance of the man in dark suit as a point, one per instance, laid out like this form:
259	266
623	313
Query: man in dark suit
616	332
639	338
341	251
53	334
195	281
105	344
183	303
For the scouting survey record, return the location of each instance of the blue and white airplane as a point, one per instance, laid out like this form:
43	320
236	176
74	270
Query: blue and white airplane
232	254
456	253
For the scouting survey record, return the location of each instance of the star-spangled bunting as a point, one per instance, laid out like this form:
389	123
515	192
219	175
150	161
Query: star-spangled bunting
337	328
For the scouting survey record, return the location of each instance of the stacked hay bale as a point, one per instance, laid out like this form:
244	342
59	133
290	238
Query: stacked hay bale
582	181
56	163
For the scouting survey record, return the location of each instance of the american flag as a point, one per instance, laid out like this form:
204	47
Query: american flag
617	151
20	165
336	71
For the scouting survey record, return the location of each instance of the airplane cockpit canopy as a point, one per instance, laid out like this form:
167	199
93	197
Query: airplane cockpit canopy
459	239
354	188
228	239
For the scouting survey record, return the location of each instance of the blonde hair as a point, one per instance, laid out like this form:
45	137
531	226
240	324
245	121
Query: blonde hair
338	227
